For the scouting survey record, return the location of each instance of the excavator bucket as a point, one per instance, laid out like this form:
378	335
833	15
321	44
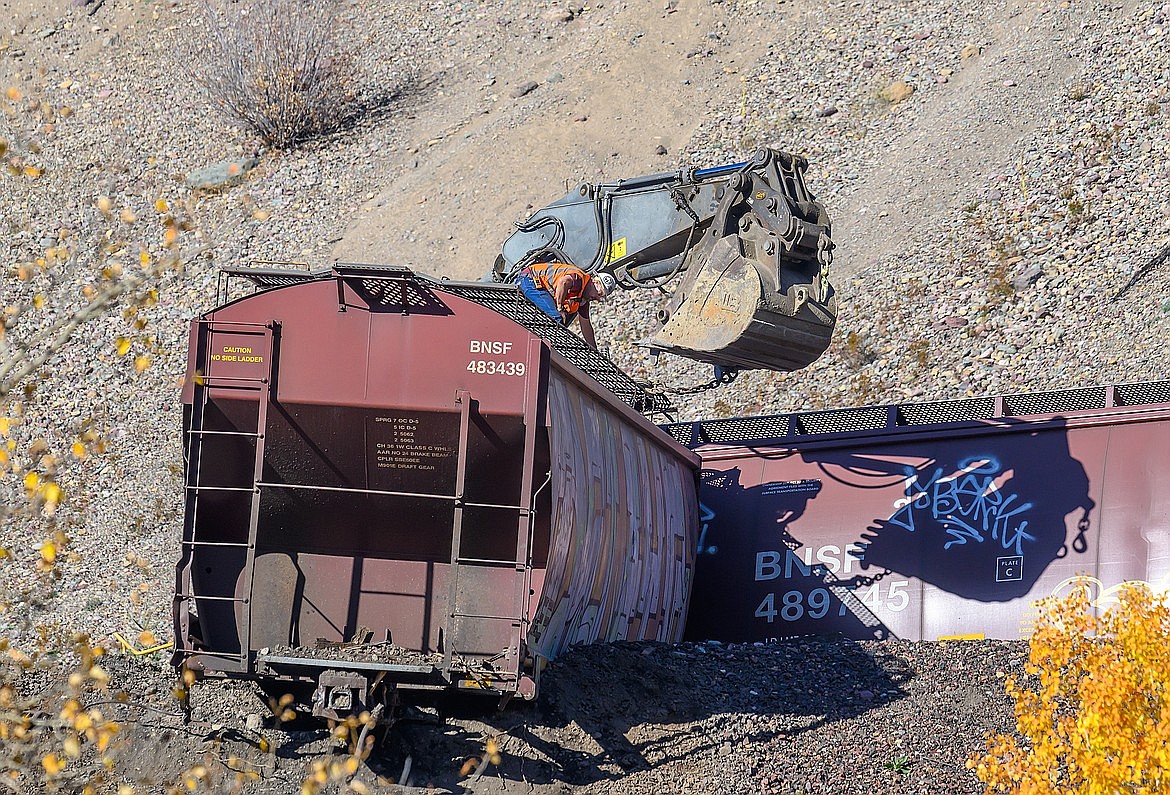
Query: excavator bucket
755	294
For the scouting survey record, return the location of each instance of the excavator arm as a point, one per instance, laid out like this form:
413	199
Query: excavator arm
746	248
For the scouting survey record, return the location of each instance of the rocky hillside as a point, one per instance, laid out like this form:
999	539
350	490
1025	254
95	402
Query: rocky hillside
998	175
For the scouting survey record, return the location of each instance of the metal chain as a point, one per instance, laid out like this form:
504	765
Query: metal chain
853	583
724	377
1080	543
863	581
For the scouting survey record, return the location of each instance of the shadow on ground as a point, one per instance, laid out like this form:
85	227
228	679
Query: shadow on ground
608	711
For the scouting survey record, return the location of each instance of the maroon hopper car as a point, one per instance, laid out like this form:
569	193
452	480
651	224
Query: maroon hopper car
928	520
420	486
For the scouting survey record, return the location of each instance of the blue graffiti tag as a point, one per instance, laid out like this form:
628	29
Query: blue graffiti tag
705	516
967	504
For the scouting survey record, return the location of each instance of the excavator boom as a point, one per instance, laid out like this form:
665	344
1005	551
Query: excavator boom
745	247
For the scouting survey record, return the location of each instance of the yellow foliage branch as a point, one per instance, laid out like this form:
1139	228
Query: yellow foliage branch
1093	709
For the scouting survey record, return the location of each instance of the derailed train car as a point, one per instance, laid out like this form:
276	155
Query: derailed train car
928	520
398	487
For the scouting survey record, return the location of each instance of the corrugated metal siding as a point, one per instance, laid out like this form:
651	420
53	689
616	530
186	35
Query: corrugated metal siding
625	518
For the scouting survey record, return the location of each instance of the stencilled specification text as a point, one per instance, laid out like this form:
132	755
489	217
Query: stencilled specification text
405	449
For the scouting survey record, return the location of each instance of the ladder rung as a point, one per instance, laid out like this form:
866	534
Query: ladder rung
268	485
219	488
195	431
494	505
207	380
216	544
488	562
210	598
515	619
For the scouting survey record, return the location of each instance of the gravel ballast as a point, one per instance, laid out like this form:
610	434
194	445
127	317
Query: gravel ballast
795	716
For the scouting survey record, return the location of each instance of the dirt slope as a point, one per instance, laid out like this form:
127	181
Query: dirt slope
612	84
969	131
615	82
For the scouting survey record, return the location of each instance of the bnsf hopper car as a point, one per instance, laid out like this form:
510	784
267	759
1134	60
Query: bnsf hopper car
398	486
928	520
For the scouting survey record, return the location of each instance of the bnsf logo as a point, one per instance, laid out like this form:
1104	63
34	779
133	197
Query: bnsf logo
496	347
835	559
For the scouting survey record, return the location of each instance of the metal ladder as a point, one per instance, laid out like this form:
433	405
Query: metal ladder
207	381
522	563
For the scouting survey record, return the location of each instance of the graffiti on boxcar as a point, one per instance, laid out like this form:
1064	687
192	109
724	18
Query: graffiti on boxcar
968	504
977	518
982	524
706	515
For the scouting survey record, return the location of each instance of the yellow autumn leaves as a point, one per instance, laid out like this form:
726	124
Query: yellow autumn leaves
491	754
49	549
27	271
38	475
118	252
43	491
171	228
80	725
36	468
105	206
122	345
326	772
339	770
198	776
109	282
1094	705
62	738
17	166
8	446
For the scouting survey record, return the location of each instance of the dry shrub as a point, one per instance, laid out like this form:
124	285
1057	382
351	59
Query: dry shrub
277	67
1093	709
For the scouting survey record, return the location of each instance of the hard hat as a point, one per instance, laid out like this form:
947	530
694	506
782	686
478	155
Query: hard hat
607	283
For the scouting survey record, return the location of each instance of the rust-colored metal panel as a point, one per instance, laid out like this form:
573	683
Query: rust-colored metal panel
387	470
623	529
925	531
375	356
335	594
362	440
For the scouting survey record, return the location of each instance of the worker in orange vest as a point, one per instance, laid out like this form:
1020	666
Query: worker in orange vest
564	292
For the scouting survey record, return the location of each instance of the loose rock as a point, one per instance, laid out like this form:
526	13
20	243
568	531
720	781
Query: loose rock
896	92
222	174
523	89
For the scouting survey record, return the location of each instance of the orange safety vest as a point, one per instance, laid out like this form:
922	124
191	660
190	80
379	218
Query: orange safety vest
547	274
